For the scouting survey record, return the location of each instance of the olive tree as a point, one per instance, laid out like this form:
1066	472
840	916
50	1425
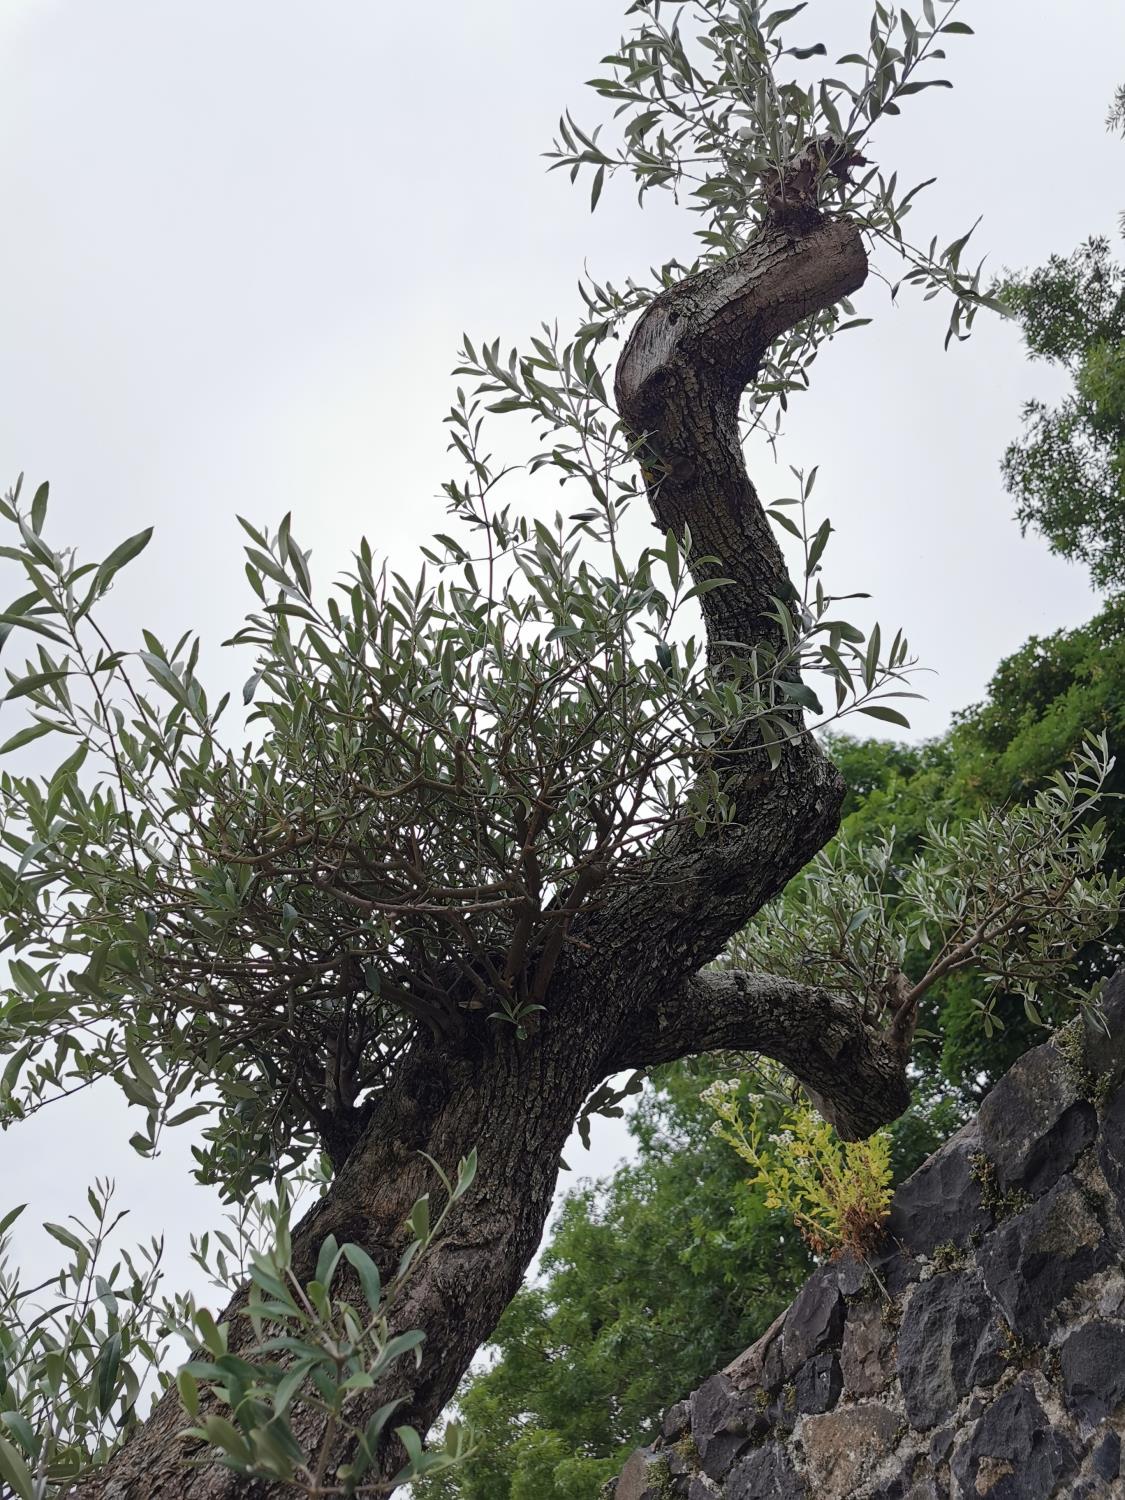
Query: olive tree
494	822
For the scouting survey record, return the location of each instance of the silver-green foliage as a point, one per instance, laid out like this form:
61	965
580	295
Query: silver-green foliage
76	1351
716	113
319	1349
443	773
1012	893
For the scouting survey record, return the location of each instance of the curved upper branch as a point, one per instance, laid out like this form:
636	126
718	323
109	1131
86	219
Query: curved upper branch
679	383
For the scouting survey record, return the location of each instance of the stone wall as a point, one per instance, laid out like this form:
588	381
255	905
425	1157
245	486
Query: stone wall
982	1352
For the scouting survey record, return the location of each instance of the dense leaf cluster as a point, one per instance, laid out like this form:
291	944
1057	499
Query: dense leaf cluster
445	769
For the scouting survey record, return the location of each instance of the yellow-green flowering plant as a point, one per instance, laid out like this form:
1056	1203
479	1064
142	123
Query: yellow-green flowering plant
837	1193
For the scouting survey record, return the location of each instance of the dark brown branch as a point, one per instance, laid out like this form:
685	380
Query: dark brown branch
679	383
855	1074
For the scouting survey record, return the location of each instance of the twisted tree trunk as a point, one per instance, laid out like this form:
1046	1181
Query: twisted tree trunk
630	992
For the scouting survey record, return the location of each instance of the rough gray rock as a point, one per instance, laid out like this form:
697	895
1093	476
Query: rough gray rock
942	1202
814	1322
642	1477
819	1383
853	1273
1111	1149
845	1447
1106	1461
994	1367
759	1367
766	1474
949	1342
912	1483
1033	1261
865	1349
723	1424
677	1421
1105	1037
1033	1125
941	1444
1093	1370
1015	1453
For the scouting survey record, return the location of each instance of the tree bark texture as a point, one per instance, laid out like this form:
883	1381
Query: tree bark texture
629	993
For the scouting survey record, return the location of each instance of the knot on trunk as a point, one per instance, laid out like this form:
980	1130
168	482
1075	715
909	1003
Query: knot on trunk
703	339
792	195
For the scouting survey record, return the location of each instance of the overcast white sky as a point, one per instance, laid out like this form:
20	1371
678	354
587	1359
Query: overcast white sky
241	241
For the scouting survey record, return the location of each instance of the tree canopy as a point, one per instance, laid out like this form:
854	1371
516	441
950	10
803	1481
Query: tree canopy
1068	471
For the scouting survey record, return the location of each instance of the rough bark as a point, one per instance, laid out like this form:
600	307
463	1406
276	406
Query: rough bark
856	1075
517	1107
679	381
628	992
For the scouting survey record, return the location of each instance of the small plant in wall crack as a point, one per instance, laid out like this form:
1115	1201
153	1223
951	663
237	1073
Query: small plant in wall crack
1002	1203
837	1193
949	1257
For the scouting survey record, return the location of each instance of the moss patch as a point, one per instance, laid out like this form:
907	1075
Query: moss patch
948	1257
1070	1043
1001	1203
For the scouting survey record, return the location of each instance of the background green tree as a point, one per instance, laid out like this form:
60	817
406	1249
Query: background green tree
1068	470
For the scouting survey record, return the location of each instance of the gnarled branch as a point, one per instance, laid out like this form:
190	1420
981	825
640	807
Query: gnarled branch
679	382
855	1074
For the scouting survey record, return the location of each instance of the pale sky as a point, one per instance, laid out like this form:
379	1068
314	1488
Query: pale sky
241	242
